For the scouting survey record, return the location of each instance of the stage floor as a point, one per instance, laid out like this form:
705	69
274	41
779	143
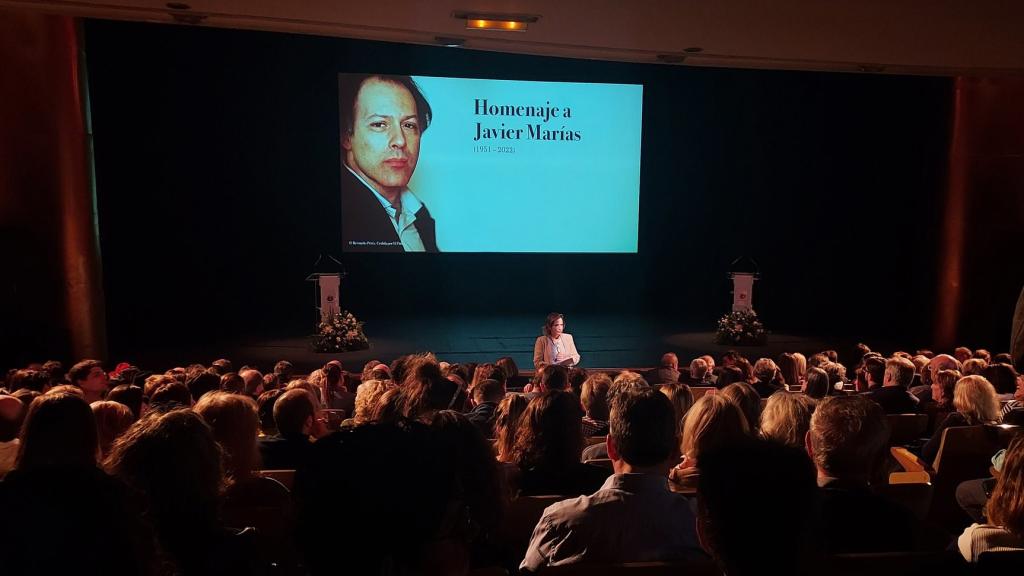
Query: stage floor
604	341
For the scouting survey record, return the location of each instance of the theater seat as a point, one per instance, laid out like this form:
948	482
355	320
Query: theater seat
906	428
890	564
702	567
286	477
699	391
603	462
1000	563
521	517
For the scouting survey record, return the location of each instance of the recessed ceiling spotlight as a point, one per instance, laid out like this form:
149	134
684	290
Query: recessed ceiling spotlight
494	21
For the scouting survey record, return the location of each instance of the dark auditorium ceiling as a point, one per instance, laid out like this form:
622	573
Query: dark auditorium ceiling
982	37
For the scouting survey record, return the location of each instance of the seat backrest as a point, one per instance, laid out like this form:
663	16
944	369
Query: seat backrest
591	440
603	462
701	567
906	428
1001	563
915	497
286	477
699	391
885	564
521	518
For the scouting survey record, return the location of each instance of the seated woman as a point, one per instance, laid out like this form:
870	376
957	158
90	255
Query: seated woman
1005	527
548	447
713	422
555	346
941	403
786	418
974	402
816	384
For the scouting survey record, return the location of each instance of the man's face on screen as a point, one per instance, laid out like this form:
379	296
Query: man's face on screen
385	140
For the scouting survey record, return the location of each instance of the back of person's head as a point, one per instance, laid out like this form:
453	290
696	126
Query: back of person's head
488	391
983	354
577	376
401	364
553	377
816	385
308	386
698	368
875	366
253	380
222	366
202	383
847	435
232	382
1005	508
626	381
765	369
975	398
594	395
550	435
488	371
643	428
173	461
506	424
59	431
786	418
425	390
284	370
1002	376
765	531
367	396
26	396
153	382
12	413
899	371
293	411
729	375
170	397
745	397
472	469
669	360
36	380
265	410
712	422
818	360
112	419
681	398
235	424
790	370
129	395
388	407
509	366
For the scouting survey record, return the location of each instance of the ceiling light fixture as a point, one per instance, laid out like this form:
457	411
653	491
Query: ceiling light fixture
498	22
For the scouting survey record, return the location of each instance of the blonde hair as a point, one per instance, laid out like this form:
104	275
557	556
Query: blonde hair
974	366
712	422
594	395
976	399
765	369
786	418
112	420
234	419
368	394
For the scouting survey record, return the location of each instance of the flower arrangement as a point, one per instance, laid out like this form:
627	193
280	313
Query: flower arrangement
340	332
741	328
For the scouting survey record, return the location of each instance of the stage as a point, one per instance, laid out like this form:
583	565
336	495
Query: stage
604	341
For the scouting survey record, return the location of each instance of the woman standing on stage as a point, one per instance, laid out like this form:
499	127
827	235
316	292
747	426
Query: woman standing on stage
555	346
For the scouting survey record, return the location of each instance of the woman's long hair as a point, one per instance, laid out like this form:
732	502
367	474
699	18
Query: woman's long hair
1006	506
507	417
59	431
975	398
550	435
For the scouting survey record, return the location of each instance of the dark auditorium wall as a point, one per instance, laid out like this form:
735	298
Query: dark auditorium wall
217	161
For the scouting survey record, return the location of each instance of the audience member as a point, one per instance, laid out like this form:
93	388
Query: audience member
594	398
772	529
486	396
668	371
232	382
295	414
1005	527
699	373
846	440
112	420
285	371
90	377
712	423
894	395
625	381
202	383
25	379
633	517
425	390
129	395
786	418
793	370
974	403
507	417
817	385
681	398
747	400
170	397
766	377
265	410
548	445
12	412
940	403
